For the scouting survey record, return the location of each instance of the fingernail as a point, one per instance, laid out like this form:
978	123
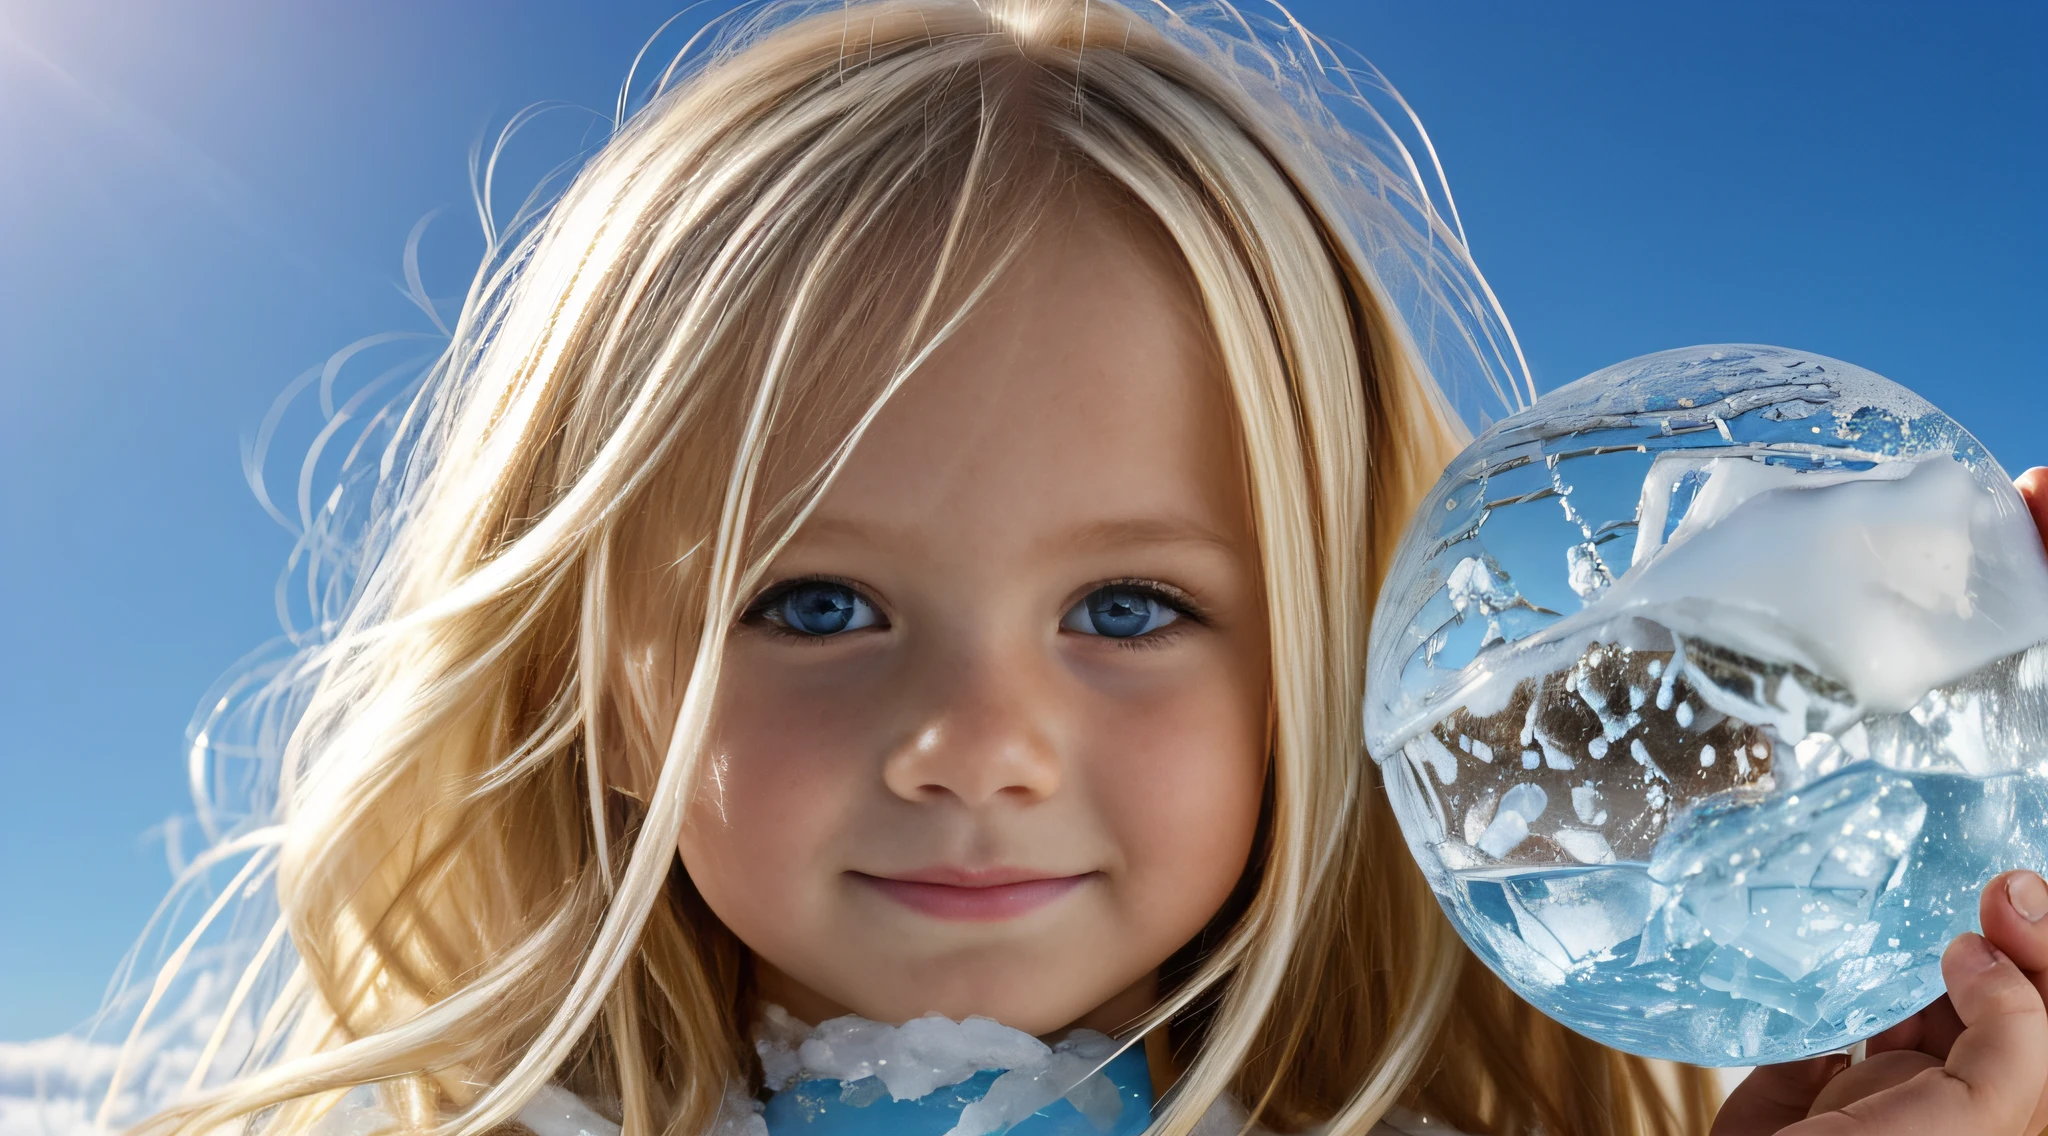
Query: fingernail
2029	896
1988	956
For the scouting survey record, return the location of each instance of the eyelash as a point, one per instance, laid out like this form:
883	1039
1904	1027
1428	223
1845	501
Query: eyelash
757	612
1172	597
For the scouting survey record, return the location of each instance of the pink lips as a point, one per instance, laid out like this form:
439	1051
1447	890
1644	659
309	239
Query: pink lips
984	896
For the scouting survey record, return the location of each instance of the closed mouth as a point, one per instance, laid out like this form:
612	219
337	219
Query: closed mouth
988	896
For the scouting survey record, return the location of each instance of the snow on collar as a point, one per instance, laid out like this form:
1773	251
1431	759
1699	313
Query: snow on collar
926	1054
555	1111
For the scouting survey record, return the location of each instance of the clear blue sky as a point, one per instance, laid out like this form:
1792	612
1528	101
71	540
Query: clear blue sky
201	198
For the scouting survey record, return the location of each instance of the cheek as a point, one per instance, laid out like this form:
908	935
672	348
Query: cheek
1181	785
779	780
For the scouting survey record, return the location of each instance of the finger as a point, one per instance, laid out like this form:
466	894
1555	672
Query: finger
1872	1075
1999	1059
2033	486
1773	1096
1993	1077
1930	1031
2014	914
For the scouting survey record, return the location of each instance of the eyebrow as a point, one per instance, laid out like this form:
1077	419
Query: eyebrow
1095	534
1147	530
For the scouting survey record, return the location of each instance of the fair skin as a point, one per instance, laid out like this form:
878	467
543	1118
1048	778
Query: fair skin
992	737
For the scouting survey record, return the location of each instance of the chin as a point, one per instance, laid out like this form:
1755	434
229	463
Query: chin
1037	1003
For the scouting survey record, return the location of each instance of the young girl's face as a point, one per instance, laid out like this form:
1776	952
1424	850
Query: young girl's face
993	738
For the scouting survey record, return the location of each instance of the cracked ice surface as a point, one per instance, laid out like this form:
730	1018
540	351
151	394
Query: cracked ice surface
1707	692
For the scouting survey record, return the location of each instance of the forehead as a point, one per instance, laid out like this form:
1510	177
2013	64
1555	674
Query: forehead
1083	388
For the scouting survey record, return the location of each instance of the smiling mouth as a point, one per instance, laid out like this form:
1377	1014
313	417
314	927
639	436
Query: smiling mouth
988	896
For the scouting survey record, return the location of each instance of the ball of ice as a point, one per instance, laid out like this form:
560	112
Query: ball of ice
1709	691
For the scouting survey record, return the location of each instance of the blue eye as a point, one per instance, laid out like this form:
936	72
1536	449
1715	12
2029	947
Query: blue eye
1119	612
820	608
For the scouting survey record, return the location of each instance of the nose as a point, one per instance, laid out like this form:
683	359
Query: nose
987	740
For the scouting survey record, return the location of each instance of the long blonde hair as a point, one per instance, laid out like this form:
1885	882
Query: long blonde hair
479	807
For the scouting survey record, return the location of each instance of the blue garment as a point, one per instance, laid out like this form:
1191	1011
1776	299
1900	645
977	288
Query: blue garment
836	1108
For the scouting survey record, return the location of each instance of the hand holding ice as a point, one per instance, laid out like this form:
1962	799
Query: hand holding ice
1709	690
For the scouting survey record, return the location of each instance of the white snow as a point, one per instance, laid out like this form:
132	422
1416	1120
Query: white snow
1529	800
555	1111
1508	830
1472	584
1585	845
1426	749
1519	808
931	1052
1892	580
1586	804
1584	572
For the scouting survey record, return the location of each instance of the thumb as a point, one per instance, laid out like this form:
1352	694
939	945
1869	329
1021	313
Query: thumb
2033	486
1774	1096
